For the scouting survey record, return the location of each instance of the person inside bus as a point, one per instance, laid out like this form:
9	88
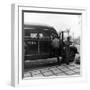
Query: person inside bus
55	47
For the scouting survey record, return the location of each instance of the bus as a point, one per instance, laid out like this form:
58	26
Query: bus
37	41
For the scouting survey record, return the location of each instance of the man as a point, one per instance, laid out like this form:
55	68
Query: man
67	50
55	47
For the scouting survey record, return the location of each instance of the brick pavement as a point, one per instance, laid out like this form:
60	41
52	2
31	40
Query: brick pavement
57	70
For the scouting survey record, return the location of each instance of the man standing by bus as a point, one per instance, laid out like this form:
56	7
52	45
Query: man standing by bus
55	47
67	49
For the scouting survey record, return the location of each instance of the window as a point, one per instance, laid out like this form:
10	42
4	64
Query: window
41	35
33	35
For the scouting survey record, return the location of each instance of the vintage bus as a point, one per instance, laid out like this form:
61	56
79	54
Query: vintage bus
37	41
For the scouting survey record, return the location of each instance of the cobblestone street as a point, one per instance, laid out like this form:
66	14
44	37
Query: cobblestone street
55	70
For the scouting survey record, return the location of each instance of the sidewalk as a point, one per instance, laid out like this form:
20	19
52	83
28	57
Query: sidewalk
57	70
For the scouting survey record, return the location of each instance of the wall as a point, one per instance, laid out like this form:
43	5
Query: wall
5	38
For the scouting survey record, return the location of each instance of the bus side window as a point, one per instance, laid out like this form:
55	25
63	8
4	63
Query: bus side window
33	35
41	35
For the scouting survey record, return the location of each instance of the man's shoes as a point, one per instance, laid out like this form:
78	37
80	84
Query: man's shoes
59	63
67	63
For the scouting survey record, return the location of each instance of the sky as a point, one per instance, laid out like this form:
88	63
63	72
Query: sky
61	22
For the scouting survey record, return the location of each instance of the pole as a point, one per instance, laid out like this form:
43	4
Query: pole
38	44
